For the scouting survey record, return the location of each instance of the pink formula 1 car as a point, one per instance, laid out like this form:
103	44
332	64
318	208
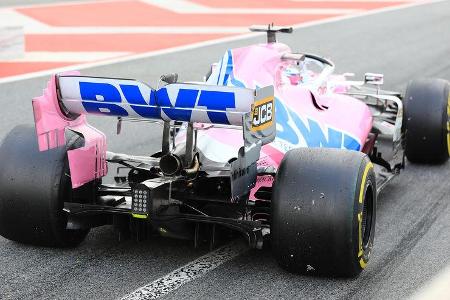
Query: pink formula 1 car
271	145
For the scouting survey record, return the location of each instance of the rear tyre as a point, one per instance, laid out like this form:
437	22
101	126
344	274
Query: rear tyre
426	122
34	186
323	212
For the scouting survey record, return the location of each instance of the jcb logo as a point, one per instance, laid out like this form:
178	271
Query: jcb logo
262	114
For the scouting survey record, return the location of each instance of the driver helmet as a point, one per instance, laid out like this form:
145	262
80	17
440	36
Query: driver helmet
293	74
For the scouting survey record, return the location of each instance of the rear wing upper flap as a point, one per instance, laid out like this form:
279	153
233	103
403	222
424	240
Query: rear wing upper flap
187	102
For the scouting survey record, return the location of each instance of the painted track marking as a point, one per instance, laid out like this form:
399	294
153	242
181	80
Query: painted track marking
141	27
37	56
211	42
188	272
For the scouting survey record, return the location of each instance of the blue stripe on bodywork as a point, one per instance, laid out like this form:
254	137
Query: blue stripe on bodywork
229	68
220	71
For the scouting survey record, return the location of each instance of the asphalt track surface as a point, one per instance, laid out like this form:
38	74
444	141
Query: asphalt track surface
412	241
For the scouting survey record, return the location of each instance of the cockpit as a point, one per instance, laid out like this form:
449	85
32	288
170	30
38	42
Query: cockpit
305	69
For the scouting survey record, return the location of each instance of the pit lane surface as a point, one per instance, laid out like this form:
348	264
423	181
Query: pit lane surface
412	241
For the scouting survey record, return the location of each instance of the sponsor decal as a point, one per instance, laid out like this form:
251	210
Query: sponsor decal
106	99
262	114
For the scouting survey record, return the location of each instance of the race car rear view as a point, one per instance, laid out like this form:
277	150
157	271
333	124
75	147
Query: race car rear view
272	145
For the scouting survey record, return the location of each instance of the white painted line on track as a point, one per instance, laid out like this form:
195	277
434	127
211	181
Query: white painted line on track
57	4
206	43
134	29
188	272
44	56
188	7
282	11
179	6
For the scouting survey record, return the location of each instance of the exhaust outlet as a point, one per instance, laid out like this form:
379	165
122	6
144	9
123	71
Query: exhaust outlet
170	164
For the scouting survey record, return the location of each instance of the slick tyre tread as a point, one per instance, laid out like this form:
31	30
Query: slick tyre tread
34	187
323	212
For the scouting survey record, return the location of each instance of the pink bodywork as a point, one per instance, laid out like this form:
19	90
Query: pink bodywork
261	65
343	112
86	163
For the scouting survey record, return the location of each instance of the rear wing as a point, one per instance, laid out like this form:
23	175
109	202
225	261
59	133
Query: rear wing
186	102
69	98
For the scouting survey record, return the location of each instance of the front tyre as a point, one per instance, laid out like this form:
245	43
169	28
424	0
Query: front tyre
323	212
426	122
33	188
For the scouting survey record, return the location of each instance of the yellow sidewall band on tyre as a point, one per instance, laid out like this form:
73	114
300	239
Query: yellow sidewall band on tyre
360	251
448	124
362	263
368	167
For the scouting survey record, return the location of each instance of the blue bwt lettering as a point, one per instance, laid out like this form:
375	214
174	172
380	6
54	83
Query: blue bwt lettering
106	99
102	97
